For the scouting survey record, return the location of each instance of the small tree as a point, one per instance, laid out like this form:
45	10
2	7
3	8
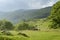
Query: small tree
22	26
6	25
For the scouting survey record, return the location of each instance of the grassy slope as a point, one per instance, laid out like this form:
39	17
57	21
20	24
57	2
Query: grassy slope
36	35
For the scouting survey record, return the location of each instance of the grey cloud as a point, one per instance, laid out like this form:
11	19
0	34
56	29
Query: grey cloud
8	5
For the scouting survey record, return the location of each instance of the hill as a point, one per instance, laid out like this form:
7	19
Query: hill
18	15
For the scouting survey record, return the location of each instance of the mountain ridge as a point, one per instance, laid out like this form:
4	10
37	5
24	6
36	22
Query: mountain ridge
19	15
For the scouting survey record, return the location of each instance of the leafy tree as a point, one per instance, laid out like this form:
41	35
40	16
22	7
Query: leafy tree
6	25
55	15
22	26
25	26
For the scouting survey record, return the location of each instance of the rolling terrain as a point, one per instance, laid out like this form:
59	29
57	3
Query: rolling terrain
18	15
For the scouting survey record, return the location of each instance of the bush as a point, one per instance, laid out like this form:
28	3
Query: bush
22	26
25	26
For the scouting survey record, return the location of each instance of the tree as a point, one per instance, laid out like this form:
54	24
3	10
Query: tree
22	26
25	26
55	15
6	25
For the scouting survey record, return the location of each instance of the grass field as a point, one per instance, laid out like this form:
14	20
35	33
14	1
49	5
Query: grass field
36	35
33	35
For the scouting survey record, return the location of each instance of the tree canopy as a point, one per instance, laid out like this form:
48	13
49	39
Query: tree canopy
55	15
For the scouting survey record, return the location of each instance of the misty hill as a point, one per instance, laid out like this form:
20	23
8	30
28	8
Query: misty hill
18	15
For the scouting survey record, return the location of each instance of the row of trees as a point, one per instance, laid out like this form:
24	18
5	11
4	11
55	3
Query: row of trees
7	25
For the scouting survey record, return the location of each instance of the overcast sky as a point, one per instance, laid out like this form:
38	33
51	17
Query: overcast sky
9	5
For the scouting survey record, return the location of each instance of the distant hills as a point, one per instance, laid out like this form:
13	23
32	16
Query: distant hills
18	15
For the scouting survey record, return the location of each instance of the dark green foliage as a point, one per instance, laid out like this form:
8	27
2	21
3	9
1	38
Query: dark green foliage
6	25
55	15
22	26
25	26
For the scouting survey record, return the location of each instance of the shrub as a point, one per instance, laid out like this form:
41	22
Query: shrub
25	26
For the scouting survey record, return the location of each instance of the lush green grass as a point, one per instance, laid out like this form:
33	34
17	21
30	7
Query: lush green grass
33	35
37	35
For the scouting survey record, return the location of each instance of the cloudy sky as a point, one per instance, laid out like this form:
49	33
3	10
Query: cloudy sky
9	5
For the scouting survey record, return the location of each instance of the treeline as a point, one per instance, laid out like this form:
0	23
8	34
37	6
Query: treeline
7	25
